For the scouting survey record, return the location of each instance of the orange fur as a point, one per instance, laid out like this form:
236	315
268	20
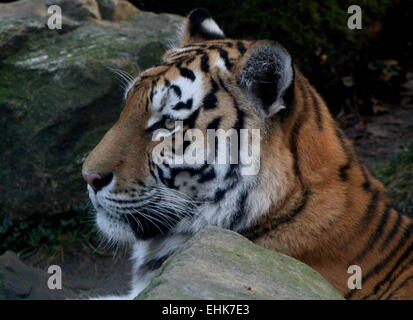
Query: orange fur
333	212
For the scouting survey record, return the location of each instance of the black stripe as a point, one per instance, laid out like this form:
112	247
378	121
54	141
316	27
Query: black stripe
162	176
177	90
183	105
214	124
394	278
190	122
406	234
297	210
219	194
157	125
205	63
185	145
233	171
173	172
224	55
189	60
240	114
222	84
157	75
185	72
399	287
152	90
207	176
374	237
383	263
153	175
191	170
317	110
343	170
189	48
347	150
370	211
241	210
210	100
257	231
392	233
183	55
180	60
343	174
241	47
366	184
295	133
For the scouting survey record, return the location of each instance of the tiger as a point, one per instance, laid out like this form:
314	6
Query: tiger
312	198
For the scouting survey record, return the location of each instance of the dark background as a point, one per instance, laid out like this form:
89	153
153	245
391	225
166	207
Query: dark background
48	126
354	70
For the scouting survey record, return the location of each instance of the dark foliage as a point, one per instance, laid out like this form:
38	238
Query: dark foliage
353	69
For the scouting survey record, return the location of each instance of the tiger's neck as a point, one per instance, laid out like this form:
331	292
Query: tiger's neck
366	233
335	213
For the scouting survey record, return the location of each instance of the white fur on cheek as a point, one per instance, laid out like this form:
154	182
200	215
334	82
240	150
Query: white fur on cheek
113	229
165	100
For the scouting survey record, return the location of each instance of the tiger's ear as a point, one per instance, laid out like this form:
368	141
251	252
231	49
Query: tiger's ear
265	74
199	27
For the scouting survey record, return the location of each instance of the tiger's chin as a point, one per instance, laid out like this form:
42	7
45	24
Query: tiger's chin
114	229
129	228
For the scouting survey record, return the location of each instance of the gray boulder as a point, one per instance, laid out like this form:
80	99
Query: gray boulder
221	264
215	264
21	282
58	95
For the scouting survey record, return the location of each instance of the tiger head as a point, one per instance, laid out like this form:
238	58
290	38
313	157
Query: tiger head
207	83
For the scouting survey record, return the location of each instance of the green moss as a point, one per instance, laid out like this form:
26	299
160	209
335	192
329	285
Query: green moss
50	235
397	174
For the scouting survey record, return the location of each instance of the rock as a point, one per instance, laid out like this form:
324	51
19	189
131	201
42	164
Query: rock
77	9
221	264
117	10
215	264
124	11
107	8
58	97
20	282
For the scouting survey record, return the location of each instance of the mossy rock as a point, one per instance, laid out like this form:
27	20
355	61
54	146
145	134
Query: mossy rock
58	97
220	264
21	282
396	172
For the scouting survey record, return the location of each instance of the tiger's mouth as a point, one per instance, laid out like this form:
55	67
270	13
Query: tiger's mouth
147	224
153	214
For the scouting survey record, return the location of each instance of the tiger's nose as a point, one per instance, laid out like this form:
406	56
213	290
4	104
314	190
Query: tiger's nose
98	180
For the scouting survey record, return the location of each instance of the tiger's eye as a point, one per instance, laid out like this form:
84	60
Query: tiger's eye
169	124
